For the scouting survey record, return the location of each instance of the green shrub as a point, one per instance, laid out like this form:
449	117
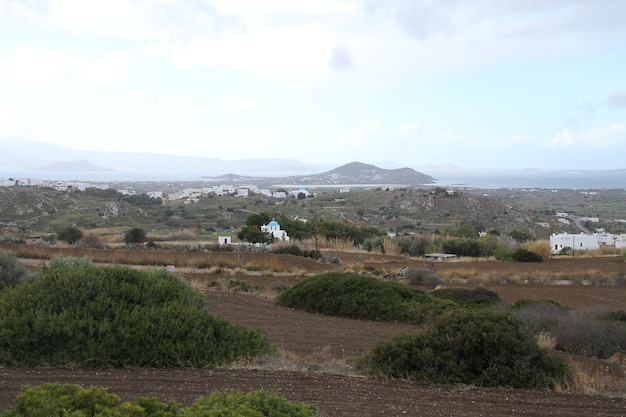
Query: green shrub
362	297
116	316
479	297
479	347
54	400
524	255
11	271
251	404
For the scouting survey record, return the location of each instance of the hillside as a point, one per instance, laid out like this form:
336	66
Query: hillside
30	211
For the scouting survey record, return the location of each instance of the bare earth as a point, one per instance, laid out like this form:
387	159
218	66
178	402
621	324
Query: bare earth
314	338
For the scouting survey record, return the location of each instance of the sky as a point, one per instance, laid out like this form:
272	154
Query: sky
476	84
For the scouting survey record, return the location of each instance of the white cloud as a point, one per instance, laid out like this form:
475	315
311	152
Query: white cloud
298	51
616	101
360	136
613	135
562	140
504	142
31	67
308	110
241	102
380	38
604	137
110	68
340	59
404	131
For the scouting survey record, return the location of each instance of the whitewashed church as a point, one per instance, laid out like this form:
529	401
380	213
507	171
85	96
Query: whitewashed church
274	229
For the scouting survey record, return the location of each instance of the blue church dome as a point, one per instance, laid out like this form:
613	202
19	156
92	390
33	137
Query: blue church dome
273	223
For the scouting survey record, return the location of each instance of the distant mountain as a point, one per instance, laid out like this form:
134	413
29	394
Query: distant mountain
354	173
360	173
21	155
73	166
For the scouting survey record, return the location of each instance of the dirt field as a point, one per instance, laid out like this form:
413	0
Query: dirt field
320	351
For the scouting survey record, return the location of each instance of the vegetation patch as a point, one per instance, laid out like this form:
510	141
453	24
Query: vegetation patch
11	271
525	255
72	400
478	347
478	297
78	314
296	251
597	335
357	296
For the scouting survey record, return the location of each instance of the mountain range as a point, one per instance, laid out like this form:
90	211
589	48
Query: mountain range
21	157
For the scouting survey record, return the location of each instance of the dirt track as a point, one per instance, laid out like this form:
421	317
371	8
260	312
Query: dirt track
312	339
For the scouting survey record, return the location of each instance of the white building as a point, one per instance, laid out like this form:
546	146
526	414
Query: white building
559	241
224	240
299	191
273	228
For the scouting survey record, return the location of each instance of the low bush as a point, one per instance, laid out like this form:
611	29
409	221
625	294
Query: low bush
540	315
79	314
296	251
524	255
581	333
11	271
616	315
423	277
71	400
588	335
357	296
478	347
479	297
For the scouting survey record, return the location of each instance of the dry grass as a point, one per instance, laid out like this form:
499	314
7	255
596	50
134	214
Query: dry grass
594	377
546	341
540	247
321	360
180	259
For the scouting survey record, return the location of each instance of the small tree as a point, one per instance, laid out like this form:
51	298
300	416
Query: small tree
71	234
10	270
135	236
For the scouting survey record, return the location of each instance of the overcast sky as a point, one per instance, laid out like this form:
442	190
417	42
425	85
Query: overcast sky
475	83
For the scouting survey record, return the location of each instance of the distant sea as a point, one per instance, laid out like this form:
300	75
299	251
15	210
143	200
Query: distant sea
577	180
522	179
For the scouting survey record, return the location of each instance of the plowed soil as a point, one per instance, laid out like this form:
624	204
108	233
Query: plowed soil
312	339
